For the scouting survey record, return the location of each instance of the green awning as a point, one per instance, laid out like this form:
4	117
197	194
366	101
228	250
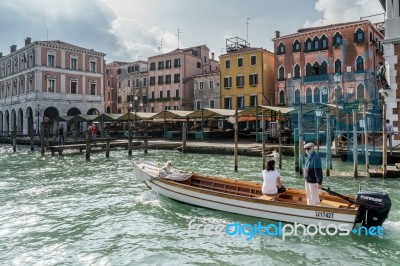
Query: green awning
108	117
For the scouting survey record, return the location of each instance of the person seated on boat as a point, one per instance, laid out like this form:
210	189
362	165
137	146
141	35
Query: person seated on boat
272	184
166	169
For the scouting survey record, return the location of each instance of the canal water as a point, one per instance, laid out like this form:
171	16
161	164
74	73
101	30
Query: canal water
64	210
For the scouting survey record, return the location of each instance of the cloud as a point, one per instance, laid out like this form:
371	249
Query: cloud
340	11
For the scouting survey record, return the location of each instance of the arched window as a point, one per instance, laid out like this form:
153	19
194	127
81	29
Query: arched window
296	46
281	48
281	97
309	69
338	66
308	45
324	42
324	68
297	96
317	95
337	39
360	63
308	95
316	45
316	70
281	74
297	71
360	91
359	36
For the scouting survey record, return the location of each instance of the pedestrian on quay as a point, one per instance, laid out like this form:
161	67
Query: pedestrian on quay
61	135
94	132
74	132
312	174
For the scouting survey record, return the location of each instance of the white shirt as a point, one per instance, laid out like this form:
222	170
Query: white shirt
269	185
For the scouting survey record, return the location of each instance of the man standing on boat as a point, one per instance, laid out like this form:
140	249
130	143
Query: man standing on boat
312	174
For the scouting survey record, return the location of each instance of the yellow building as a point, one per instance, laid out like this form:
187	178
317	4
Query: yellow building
247	76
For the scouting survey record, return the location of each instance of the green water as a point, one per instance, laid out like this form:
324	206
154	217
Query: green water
63	210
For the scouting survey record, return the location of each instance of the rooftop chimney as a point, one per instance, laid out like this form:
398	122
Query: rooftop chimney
277	34
212	56
27	41
13	48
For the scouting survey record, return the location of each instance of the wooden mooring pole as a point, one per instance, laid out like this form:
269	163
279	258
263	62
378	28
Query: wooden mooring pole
235	151
280	140
366	140
355	144
42	142
14	141
108	146
146	138
184	125
263	138
88	145
384	140
296	150
328	144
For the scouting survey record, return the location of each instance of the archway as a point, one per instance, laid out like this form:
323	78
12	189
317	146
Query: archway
1	123
29	118
7	124
93	111
52	114
20	121
13	120
73	111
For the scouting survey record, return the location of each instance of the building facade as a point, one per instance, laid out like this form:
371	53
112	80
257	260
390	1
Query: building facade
111	86
48	79
207	90
306	62
247	76
391	44
170	84
132	82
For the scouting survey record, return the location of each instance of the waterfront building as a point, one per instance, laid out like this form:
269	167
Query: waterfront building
306	62
111	86
170	86
48	79
207	90
132	87
391	43
247	75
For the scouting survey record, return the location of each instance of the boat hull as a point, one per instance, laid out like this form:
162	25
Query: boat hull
272	210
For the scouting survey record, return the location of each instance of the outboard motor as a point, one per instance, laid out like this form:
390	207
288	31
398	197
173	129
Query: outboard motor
374	208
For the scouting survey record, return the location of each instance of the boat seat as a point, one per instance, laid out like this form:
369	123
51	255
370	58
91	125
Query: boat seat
334	204
267	197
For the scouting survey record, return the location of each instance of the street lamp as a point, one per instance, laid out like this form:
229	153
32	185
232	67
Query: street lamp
129	124
337	78
136	107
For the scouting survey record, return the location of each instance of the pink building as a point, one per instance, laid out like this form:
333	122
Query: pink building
170	85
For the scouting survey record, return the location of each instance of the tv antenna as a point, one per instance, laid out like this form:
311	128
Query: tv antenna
179	35
160	48
247	29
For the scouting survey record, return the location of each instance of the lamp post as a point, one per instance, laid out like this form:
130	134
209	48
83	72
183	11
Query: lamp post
129	123
318	114
136	107
337	78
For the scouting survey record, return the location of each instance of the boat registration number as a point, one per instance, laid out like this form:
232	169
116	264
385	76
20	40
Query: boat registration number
328	215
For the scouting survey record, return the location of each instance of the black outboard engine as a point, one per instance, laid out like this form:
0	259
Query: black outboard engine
374	208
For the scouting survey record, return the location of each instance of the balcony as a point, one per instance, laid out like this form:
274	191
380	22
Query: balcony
316	78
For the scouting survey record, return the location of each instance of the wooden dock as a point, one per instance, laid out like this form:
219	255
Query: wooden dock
98	146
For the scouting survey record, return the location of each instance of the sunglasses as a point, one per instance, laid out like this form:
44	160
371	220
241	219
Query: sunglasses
308	149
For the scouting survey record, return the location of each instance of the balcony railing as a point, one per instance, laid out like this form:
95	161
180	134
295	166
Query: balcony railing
316	78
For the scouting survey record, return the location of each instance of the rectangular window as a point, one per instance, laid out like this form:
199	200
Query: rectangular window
253	100
253	60
198	105
227	82
161	65
212	104
129	82
198	65
74	63
227	103
168	64
240	102
152	94
152	81
168	94
240	62
211	84
93	66
74	87
153	66
50	60
177	78
177	62
201	85
92	88
253	79
168	79
177	93
152	109
144	82
239	81
119	99
50	85
161	94
160	80
176	107
227	64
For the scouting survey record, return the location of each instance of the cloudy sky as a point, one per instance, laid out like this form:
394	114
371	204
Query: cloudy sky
130	29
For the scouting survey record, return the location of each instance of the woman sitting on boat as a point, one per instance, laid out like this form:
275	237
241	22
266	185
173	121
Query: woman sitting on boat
272	180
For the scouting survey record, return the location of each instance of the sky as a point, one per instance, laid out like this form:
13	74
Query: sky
128	30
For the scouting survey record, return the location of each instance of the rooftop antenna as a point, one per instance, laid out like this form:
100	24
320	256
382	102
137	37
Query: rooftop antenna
179	35
47	34
322	21
247	27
